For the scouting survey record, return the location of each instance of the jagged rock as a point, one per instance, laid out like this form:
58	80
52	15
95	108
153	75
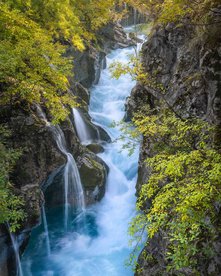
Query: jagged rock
189	68
113	37
134	37
53	188
83	96
139	97
195	90
87	65
93	172
33	198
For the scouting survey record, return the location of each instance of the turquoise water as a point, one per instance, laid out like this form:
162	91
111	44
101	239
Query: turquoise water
96	242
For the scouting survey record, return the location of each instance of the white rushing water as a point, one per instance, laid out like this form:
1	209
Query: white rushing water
45	224
15	246
106	254
73	189
103	248
81	127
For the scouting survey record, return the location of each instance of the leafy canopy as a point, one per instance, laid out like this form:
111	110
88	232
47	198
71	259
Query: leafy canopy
34	36
165	11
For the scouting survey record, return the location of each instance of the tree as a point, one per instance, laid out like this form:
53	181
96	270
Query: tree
32	68
198	12
184	187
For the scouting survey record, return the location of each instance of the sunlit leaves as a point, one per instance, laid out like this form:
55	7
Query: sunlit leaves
184	185
32	67
165	11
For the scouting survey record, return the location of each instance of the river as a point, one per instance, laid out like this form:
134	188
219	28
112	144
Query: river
98	242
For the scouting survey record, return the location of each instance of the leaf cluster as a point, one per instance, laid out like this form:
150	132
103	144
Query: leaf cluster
184	187
34	36
11	206
198	12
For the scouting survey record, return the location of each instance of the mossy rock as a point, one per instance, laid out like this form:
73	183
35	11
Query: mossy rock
93	172
95	148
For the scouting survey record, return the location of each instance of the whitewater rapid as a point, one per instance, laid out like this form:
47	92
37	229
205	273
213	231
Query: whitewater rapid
102	247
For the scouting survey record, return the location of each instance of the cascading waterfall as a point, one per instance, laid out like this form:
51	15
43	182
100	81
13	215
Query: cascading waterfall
103	248
135	16
45	223
81	127
73	190
16	251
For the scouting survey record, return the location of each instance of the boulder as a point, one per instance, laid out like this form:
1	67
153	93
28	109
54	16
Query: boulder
95	148
93	173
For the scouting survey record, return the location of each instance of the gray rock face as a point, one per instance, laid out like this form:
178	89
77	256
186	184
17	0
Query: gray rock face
139	97
39	158
82	94
189	68
112	37
134	17
93	172
88	64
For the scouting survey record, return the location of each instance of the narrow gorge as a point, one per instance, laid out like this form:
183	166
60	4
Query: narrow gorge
110	160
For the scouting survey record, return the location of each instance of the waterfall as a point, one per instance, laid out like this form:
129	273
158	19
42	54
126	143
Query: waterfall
73	189
81	127
98	242
16	251
135	17
126	19
42	115
45	224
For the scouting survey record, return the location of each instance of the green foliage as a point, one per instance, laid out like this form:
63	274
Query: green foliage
133	67
164	11
10	205
33	66
184	186
72	20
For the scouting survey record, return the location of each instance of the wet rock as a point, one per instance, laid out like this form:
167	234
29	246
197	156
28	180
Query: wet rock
95	148
83	96
95	132
53	189
33	198
87	65
112	36
93	173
